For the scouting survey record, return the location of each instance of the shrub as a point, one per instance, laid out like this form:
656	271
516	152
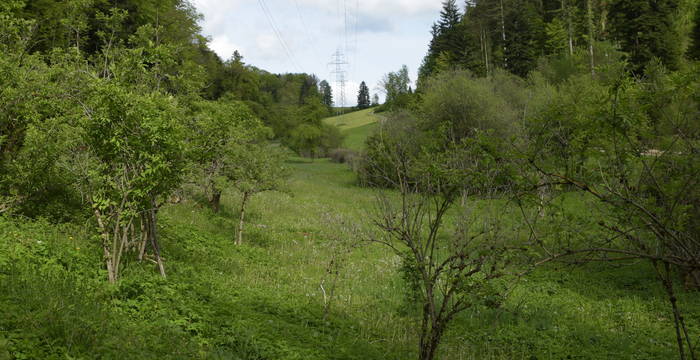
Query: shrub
343	156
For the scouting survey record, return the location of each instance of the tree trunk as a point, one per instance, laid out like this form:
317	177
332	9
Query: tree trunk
107	255
239	241
503	36
144	238
682	335
153	212
591	35
215	200
430	342
569	26
431	328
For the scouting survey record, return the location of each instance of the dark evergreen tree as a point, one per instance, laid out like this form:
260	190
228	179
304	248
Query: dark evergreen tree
363	101
326	93
446	43
646	30
522	45
694	50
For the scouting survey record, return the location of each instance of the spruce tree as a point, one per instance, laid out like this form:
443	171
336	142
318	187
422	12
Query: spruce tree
446	41
326	93
694	50
524	28
646	29
363	101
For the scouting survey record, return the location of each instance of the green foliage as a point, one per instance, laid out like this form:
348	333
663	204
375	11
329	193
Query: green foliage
396	87
326	93
102	115
609	64
219	129
647	30
557	37
524	28
255	168
694	49
137	142
460	104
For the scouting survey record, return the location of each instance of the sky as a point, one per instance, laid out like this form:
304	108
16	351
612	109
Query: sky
282	36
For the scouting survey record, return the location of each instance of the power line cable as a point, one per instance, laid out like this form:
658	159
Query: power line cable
309	34
278	34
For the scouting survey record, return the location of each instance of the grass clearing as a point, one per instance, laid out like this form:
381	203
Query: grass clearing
356	126
263	300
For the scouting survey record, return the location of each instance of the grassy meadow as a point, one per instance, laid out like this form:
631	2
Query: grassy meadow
265	299
356	126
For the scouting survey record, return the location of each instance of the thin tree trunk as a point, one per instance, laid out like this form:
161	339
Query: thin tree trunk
679	322
569	26
240	223
124	236
144	237
154	237
107	256
591	35
430	343
503	36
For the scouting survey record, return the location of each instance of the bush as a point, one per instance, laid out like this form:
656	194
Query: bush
343	156
459	104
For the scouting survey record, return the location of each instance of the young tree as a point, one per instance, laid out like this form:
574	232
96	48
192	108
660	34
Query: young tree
217	127
395	86
363	101
448	268
255	168
375	100
130	159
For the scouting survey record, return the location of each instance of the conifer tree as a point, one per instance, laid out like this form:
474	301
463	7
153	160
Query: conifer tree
363	101
646	29
521	46
694	50
326	93
446	41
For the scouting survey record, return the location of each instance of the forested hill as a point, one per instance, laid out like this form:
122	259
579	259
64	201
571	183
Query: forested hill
517	36
167	36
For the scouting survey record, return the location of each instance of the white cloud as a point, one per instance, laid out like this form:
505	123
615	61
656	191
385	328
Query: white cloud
390	33
378	7
223	46
269	46
216	13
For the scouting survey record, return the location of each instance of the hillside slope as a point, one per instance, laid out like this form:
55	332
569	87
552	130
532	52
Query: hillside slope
356	126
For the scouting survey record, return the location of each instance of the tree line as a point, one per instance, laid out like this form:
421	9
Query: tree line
486	35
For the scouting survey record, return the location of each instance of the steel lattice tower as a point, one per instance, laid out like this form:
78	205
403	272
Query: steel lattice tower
339	62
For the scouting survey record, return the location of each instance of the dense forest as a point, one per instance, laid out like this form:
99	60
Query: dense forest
536	195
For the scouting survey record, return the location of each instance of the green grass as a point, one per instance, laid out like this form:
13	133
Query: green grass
263	300
356	126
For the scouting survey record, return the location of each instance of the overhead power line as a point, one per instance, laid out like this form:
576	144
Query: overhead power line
309	34
278	34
